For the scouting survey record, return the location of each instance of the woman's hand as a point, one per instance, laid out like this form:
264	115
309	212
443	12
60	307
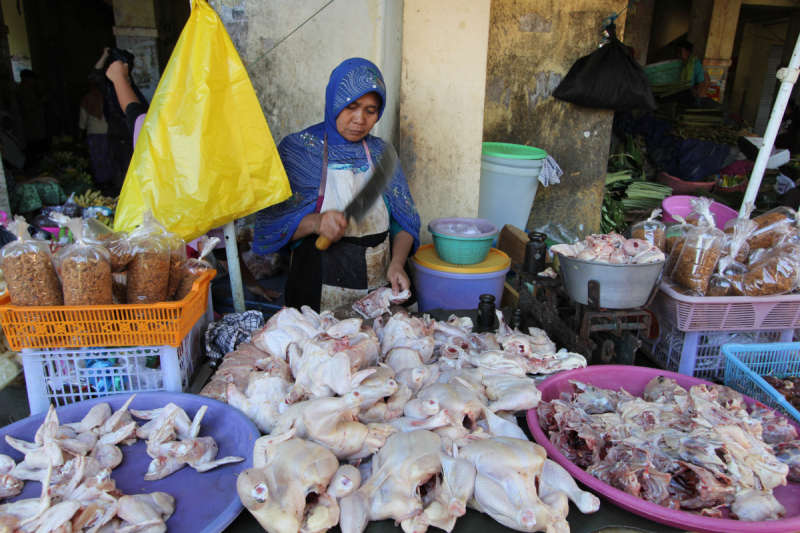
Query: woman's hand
102	60
397	277
117	71
331	224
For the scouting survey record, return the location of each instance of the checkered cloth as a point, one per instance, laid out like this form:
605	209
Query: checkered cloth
225	336
550	172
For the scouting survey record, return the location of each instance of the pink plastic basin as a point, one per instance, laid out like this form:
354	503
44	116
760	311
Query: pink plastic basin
679	205
634	379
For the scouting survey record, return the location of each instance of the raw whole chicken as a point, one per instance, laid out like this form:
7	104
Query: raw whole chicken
508	474
402	330
284	328
473	419
415	482
287	488
333	423
378	301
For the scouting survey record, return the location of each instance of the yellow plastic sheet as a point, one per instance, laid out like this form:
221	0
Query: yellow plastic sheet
205	155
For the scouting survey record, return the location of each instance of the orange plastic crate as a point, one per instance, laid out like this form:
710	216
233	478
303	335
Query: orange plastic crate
162	324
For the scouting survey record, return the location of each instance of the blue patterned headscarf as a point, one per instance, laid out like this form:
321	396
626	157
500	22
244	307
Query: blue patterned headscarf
302	155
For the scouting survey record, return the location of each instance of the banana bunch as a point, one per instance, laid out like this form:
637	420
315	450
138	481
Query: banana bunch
95	199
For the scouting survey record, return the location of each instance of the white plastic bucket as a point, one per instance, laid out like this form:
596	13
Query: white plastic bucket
507	193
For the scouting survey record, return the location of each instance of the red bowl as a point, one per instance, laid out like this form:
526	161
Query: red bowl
633	379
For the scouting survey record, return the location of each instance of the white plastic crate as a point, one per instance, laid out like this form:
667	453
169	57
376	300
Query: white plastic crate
71	375
699	353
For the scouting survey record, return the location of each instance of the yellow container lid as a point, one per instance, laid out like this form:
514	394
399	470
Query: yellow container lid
496	260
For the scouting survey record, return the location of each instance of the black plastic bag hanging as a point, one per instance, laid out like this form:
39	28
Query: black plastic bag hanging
608	78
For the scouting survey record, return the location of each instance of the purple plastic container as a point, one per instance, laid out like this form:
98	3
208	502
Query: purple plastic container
448	290
204	503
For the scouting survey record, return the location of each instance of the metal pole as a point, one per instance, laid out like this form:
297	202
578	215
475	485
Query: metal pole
235	273
788	77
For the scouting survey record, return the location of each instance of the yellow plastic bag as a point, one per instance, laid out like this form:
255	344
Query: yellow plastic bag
205	155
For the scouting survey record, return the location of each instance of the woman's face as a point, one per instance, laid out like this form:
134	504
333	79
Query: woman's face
357	119
682	54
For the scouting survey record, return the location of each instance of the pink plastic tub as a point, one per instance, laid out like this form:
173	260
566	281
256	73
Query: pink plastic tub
679	205
634	379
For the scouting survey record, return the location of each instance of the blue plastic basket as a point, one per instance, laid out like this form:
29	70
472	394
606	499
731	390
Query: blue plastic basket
746	363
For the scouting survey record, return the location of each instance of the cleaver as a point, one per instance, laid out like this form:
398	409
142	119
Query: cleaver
363	201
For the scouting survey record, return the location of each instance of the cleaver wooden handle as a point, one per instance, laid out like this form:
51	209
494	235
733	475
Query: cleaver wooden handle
323	243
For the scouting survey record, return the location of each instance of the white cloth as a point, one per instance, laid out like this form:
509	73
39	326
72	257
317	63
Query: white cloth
92	125
550	172
340	188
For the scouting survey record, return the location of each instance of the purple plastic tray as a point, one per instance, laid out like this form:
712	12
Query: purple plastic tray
204	503
633	379
487	229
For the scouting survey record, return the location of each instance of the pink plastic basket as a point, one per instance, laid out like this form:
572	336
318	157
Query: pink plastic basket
634	379
727	313
679	205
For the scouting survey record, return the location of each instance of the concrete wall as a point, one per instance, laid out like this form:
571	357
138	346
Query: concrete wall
526	62
17	32
751	68
291	80
441	110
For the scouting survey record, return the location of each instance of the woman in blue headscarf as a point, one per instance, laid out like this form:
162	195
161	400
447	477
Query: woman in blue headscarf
327	164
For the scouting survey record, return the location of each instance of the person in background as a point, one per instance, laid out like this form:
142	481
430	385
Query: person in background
135	113
119	136
31	100
92	122
13	153
692	68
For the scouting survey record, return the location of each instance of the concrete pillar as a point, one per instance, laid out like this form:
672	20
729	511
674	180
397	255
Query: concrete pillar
532	45
136	30
699	24
717	47
441	107
638	22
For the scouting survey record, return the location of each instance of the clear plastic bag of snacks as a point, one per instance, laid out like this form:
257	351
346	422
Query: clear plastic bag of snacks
148	270
701	208
736	241
177	257
28	268
768	225
676	231
699	255
85	269
776	274
651	230
195	267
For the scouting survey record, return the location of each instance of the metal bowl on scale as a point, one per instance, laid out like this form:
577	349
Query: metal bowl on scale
621	286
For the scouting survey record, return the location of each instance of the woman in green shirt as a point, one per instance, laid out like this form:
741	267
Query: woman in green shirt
692	67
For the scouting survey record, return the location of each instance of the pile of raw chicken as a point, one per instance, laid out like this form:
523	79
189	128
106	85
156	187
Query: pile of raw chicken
73	462
701	450
612	248
411	419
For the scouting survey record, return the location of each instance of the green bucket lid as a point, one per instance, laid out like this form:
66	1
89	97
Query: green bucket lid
513	151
